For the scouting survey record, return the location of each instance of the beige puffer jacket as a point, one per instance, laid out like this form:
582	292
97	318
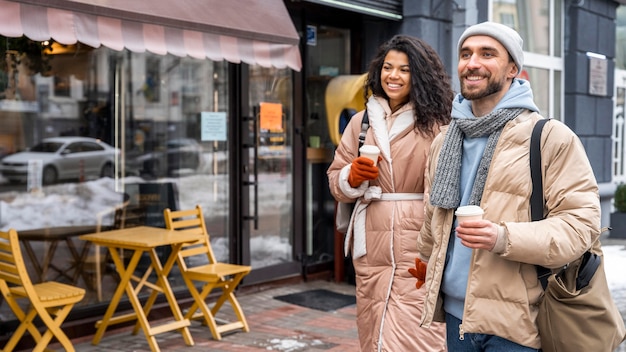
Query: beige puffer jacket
389	306
503	291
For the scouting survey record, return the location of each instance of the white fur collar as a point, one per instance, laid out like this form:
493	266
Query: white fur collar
377	109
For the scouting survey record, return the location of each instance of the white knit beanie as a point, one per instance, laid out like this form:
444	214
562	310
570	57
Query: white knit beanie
507	36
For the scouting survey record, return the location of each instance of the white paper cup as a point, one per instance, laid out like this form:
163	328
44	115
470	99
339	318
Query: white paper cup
371	152
469	212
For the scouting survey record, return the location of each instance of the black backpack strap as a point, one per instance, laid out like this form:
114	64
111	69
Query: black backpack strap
536	197
365	124
590	261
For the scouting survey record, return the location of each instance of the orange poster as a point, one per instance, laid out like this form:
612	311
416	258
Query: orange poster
272	116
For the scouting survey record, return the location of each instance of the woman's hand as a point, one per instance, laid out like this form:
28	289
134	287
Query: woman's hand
362	169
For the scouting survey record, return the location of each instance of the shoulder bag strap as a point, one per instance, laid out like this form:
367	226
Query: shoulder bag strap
365	124
536	197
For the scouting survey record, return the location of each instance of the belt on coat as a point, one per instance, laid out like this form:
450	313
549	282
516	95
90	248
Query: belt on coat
356	229
401	196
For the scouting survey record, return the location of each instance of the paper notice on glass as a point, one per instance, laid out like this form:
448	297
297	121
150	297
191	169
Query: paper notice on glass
272	116
213	126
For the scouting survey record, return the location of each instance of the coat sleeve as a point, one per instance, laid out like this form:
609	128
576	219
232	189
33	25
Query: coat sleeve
425	238
339	169
572	205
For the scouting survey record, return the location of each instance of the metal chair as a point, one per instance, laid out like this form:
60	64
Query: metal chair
212	275
50	301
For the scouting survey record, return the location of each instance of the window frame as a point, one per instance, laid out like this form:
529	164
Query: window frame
553	62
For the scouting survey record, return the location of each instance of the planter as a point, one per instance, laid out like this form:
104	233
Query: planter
618	225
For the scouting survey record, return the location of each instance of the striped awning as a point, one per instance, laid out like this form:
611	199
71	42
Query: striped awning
257	32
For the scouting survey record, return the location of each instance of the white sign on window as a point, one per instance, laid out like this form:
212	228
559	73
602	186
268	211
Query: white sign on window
213	126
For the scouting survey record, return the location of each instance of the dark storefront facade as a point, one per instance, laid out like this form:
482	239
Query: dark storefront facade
235	106
178	105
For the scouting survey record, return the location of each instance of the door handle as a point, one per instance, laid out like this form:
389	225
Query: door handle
254	144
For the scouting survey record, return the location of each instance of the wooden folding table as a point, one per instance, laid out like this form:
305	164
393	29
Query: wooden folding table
53	235
139	240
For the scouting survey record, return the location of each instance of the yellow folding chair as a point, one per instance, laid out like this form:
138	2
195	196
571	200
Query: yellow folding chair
212	275
50	301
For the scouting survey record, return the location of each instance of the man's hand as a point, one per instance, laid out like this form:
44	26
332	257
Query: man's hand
362	169
419	272
477	234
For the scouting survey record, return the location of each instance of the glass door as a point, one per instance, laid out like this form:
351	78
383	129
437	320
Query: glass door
327	58
267	175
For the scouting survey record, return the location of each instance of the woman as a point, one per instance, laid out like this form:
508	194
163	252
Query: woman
411	98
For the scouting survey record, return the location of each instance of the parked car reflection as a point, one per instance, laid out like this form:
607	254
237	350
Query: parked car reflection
63	158
178	155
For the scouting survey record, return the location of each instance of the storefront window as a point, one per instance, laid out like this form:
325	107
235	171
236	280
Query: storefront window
540	24
540	83
620	42
94	139
532	19
619	155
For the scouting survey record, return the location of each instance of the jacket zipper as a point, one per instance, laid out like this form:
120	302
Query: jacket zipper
469	277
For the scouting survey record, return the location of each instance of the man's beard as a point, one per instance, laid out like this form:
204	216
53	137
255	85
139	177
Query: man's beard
492	87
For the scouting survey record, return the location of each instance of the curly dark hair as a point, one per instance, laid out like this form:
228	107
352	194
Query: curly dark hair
431	92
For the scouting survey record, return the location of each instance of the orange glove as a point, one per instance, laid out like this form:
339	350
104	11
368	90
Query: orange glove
419	272
362	169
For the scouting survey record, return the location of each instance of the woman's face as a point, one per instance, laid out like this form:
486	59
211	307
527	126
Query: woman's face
395	77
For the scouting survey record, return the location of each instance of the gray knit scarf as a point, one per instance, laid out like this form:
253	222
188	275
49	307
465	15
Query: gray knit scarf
445	191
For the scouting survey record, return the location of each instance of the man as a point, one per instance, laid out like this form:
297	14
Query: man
481	276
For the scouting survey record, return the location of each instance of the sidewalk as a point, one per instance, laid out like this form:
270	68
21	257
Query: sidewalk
276	325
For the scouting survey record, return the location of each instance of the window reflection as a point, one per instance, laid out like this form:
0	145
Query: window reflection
540	82
540	25
532	20
620	42
146	108
271	242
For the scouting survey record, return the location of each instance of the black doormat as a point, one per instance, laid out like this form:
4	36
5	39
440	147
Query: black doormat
319	299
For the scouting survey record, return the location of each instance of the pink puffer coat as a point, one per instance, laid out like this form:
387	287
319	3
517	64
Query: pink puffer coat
389	307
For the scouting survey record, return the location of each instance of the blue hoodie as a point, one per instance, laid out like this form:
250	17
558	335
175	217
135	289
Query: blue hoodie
458	257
